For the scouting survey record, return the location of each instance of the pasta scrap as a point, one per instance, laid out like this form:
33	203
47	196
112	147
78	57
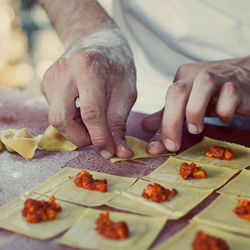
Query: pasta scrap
243	209
85	180
110	229
35	211
158	193
218	152
191	170
203	241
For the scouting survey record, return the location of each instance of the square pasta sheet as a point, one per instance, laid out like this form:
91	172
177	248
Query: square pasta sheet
169	172
139	147
198	153
143	231
240	185
11	218
177	206
64	187
184	239
220	214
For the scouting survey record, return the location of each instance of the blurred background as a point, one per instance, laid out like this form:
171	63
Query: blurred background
28	43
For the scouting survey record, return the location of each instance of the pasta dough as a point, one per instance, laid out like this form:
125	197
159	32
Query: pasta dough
20	141
240	185
143	231
184	238
179	205
220	214
53	140
11	219
169	172
139	147
64	188
198	153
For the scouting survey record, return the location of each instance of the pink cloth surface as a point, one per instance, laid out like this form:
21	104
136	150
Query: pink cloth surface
20	109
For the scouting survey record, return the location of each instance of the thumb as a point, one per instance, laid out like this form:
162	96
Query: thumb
152	122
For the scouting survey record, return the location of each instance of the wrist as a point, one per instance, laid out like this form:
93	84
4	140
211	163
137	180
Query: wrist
75	18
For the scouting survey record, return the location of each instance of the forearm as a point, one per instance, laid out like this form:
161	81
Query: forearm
75	18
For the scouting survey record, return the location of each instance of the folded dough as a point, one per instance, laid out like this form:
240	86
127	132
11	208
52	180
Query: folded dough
53	140
139	148
1	144
20	141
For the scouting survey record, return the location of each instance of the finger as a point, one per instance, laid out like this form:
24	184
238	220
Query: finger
93	104
152	122
174	112
156	145
205	85
120	104
227	102
62	111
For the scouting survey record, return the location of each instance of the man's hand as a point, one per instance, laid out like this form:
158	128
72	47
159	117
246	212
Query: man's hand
97	68
217	87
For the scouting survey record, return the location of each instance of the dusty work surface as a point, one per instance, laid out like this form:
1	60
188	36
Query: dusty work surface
21	109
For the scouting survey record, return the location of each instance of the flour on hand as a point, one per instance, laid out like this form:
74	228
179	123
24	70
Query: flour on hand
108	42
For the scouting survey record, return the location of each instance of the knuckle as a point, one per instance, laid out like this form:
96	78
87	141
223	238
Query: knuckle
205	78
120	127
171	125
177	89
98	141
42	89
84	59
61	65
55	120
90	112
182	71
47	75
132	95
94	62
231	89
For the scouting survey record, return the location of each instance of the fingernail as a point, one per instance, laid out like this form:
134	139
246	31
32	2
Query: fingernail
154	144
124	146
170	145
193	129
106	154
